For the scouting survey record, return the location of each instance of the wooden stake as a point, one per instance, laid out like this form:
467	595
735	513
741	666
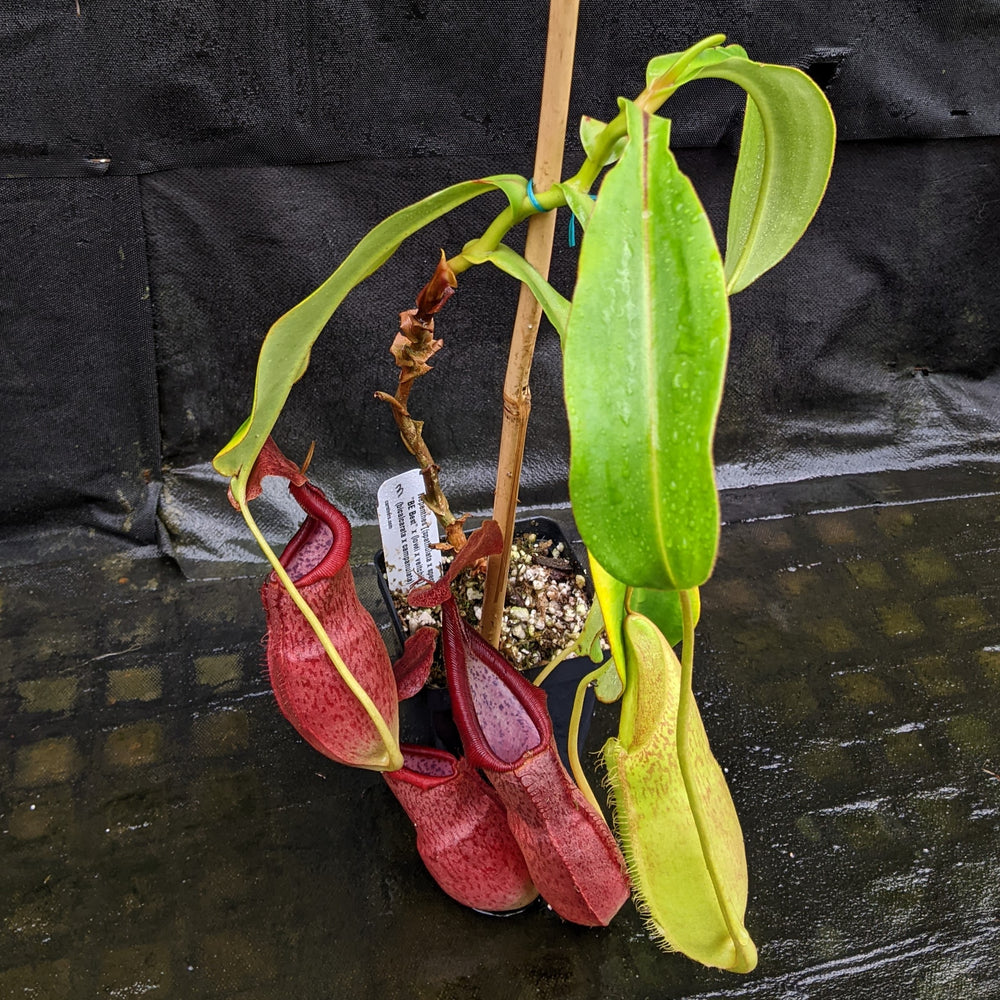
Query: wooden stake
556	84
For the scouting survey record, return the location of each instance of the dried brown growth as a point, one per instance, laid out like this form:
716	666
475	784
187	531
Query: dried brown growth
413	346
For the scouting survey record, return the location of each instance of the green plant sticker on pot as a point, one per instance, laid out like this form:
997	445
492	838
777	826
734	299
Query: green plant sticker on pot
645	357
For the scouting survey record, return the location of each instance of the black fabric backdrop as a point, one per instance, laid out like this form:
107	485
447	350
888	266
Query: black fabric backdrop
176	176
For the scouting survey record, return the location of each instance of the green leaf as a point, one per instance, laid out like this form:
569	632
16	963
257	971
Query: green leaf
644	363
663	609
591	130
786	155
682	66
580	203
514	186
554	305
284	355
679	829
589	642
608	687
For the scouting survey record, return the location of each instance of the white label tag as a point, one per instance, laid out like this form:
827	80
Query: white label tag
409	531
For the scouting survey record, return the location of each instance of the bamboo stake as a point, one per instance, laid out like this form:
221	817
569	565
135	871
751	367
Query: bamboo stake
556	83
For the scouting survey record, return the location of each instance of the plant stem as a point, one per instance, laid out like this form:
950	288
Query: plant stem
573	744
560	657
556	84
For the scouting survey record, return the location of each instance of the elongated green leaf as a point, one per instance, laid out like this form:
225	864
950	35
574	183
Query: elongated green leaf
786	154
554	305
284	355
679	830
644	363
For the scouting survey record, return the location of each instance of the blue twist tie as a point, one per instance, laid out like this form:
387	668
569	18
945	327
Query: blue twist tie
572	224
532	198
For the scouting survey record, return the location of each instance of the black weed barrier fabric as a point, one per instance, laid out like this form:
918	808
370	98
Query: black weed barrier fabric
185	83
81	444
178	176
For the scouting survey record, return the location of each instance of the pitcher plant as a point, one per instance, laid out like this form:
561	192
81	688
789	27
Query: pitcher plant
644	337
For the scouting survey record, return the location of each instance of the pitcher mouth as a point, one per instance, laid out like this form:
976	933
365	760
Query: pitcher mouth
501	716
424	767
322	545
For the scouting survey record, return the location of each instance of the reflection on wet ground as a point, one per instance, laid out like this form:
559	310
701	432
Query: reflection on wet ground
164	832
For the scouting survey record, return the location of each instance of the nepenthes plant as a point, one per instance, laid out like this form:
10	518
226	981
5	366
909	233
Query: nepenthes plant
644	335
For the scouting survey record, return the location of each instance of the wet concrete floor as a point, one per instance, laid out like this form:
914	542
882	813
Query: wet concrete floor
164	832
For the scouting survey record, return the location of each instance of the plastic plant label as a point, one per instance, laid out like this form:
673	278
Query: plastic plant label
409	532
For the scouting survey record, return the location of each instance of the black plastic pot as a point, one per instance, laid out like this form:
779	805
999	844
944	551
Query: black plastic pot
427	717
